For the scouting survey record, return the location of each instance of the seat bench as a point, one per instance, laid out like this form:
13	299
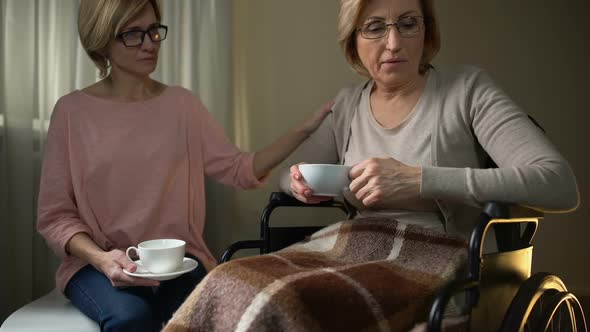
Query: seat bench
51	313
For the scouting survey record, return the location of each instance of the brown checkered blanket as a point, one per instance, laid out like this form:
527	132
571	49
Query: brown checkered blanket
367	274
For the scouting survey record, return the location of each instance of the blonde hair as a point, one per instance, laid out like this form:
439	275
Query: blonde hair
348	20
99	21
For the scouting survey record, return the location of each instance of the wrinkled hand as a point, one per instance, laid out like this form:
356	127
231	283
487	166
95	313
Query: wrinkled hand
301	191
381	183
112	263
313	121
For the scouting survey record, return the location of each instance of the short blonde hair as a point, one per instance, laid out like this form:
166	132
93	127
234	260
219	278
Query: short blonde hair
99	21
348	20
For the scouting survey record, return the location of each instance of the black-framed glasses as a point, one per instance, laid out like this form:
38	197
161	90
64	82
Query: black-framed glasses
133	38
407	26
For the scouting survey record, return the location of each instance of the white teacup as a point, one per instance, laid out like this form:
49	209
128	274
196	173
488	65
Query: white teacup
326	179
161	255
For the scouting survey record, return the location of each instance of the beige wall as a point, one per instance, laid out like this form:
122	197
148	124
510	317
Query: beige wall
287	62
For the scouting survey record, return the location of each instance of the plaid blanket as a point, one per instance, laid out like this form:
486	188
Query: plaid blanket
366	274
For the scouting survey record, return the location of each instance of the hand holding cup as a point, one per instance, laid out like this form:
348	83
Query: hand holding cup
161	255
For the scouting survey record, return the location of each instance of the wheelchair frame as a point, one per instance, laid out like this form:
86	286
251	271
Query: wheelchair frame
533	307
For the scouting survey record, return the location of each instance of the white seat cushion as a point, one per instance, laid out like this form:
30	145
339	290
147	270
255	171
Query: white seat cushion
52	312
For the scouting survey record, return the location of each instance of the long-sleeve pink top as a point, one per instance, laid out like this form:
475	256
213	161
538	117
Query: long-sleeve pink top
126	172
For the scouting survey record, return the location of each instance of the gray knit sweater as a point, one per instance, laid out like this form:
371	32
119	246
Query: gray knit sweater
475	118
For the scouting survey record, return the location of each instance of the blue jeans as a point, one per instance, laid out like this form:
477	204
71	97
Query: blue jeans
129	309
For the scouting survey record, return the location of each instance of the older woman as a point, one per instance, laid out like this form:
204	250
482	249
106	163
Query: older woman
417	137
125	161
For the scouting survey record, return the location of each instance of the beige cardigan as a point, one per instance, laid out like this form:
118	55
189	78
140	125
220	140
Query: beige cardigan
474	119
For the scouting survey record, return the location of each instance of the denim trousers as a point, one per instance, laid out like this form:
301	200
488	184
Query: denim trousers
133	308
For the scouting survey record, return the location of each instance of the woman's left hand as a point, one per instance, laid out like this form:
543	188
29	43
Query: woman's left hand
381	183
313	121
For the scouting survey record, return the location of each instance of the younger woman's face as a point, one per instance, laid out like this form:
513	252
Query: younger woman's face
140	60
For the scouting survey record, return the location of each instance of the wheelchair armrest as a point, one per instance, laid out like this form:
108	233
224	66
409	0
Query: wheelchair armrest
281	199
248	244
278	198
443	297
506	219
498	210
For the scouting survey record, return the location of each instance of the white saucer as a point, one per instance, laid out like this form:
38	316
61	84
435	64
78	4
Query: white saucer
188	264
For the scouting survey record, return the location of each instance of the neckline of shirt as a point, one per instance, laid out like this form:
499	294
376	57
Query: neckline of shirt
410	116
130	103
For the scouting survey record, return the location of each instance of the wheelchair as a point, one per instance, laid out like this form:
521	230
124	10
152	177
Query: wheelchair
500	293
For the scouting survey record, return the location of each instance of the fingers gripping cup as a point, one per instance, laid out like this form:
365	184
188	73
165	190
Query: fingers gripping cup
326	179
160	256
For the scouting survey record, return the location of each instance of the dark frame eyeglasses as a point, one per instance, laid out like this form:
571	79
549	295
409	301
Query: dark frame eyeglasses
134	38
406	26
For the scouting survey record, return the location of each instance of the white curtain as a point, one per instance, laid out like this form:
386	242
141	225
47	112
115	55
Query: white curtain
41	59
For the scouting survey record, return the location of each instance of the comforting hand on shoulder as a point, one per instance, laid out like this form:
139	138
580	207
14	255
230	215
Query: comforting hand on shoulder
313	121
381	183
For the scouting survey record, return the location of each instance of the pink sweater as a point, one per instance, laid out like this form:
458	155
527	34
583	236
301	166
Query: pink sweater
130	172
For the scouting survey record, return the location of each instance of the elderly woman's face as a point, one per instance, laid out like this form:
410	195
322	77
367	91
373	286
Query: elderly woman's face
391	53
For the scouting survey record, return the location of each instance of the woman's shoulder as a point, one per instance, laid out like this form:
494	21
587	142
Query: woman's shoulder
181	91
64	107
459	76
352	89
184	95
348	96
69	101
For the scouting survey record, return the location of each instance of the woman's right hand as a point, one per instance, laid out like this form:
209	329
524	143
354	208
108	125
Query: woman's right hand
112	263
301	191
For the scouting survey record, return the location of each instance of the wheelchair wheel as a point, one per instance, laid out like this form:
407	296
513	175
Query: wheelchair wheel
543	303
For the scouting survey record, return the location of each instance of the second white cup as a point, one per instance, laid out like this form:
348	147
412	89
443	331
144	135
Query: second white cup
161	255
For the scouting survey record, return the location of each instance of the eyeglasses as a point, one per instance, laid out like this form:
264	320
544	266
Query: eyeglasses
407	26
133	38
